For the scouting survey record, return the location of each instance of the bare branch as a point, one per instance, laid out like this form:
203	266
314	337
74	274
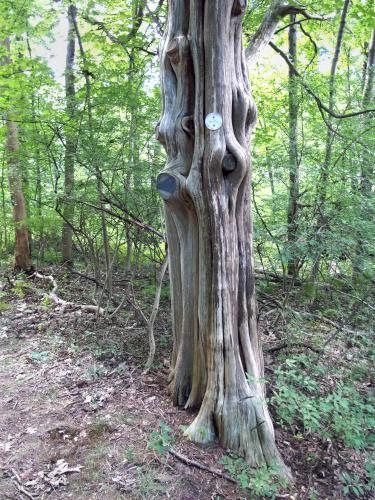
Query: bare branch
317	99
134	222
277	11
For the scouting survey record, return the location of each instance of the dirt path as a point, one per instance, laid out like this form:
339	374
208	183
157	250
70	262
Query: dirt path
75	427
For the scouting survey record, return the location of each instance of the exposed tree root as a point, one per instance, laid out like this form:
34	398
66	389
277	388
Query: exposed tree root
63	303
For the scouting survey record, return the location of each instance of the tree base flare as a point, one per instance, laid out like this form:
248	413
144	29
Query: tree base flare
245	427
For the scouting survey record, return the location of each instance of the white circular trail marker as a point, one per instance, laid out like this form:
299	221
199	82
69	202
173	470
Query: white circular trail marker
213	121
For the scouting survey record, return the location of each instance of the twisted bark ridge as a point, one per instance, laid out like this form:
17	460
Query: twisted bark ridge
217	362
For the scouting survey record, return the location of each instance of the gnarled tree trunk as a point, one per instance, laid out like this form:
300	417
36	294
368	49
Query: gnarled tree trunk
217	362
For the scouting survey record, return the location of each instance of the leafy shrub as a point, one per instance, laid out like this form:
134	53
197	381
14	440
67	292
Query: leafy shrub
341	414
353	485
264	481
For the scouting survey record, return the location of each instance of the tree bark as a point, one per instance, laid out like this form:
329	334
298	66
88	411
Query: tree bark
70	143
4	242
22	254
217	363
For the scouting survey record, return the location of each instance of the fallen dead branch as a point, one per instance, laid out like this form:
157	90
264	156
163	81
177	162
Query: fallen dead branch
199	465
286	345
307	314
65	304
328	321
16	480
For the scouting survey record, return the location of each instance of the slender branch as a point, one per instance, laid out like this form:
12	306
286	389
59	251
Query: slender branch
293	345
114	39
317	99
277	11
307	34
135	222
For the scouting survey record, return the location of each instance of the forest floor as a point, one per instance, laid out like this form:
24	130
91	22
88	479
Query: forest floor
79	419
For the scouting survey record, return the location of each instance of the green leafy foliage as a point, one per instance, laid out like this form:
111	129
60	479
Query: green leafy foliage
337	413
4	306
161	440
352	484
265	482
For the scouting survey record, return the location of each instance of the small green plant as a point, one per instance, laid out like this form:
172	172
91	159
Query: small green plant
19	288
95	372
129	454
352	485
98	429
313	494
148	485
264	481
165	341
40	356
4	306
46	302
162	440
359	487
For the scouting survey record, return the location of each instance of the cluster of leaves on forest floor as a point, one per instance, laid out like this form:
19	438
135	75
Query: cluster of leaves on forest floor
80	420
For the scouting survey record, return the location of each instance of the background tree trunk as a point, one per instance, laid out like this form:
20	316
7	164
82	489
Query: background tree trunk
22	245
22	254
98	173
70	142
217	362
293	154
366	163
322	184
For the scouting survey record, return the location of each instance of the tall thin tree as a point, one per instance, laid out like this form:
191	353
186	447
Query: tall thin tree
70	142
322	183
22	252
292	218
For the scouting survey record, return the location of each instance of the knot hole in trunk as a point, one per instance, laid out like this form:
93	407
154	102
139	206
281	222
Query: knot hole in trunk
229	162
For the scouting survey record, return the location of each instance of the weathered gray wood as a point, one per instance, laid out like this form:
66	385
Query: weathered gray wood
206	189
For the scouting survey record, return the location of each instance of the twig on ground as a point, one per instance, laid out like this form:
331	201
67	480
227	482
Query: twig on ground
310	315
285	345
16	480
199	465
328	321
